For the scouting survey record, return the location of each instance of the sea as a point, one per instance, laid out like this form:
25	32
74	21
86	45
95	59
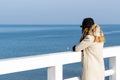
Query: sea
28	40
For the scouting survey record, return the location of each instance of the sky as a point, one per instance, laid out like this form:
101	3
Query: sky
59	11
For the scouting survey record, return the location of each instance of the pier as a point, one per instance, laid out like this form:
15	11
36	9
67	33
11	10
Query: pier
54	63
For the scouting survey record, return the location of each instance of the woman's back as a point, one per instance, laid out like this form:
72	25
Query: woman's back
91	46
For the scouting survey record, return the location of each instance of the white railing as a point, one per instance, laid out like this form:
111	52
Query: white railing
55	61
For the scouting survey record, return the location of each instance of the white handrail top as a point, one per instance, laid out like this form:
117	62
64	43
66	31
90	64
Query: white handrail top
41	61
38	61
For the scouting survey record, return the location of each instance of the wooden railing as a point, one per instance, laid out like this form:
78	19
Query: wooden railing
54	63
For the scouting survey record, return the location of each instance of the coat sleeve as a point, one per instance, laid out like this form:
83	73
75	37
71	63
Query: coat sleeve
87	41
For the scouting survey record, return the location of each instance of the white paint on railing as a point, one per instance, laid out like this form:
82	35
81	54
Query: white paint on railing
114	55
107	73
55	73
74	78
39	61
55	61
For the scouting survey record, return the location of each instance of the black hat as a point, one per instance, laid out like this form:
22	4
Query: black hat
87	22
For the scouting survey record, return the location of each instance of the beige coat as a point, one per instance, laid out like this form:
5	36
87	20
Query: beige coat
92	59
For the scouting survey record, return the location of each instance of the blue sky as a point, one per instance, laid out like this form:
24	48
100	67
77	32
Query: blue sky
59	11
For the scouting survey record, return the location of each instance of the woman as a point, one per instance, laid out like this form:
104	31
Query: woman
91	46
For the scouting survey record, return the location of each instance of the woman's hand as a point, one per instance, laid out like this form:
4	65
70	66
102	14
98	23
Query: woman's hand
73	48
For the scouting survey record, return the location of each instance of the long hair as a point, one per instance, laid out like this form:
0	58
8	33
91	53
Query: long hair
90	28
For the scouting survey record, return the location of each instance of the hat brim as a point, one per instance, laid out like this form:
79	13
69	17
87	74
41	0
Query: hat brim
81	26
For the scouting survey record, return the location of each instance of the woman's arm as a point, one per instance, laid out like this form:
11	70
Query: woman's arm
87	41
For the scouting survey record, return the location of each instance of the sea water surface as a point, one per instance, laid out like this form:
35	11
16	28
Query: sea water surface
27	40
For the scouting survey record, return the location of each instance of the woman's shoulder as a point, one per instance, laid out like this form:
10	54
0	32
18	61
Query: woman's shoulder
89	37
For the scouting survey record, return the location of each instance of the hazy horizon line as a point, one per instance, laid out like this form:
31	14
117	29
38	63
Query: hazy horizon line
56	24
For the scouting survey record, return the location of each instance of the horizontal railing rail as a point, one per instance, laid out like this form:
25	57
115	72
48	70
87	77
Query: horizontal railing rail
55	61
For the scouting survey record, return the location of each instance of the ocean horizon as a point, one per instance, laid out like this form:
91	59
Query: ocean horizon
28	40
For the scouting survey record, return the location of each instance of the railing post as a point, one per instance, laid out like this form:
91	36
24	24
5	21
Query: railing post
118	67
55	73
112	65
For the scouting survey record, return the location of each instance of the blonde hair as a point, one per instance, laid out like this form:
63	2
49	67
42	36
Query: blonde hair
95	31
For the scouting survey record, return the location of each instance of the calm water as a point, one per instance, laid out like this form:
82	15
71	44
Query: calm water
26	40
